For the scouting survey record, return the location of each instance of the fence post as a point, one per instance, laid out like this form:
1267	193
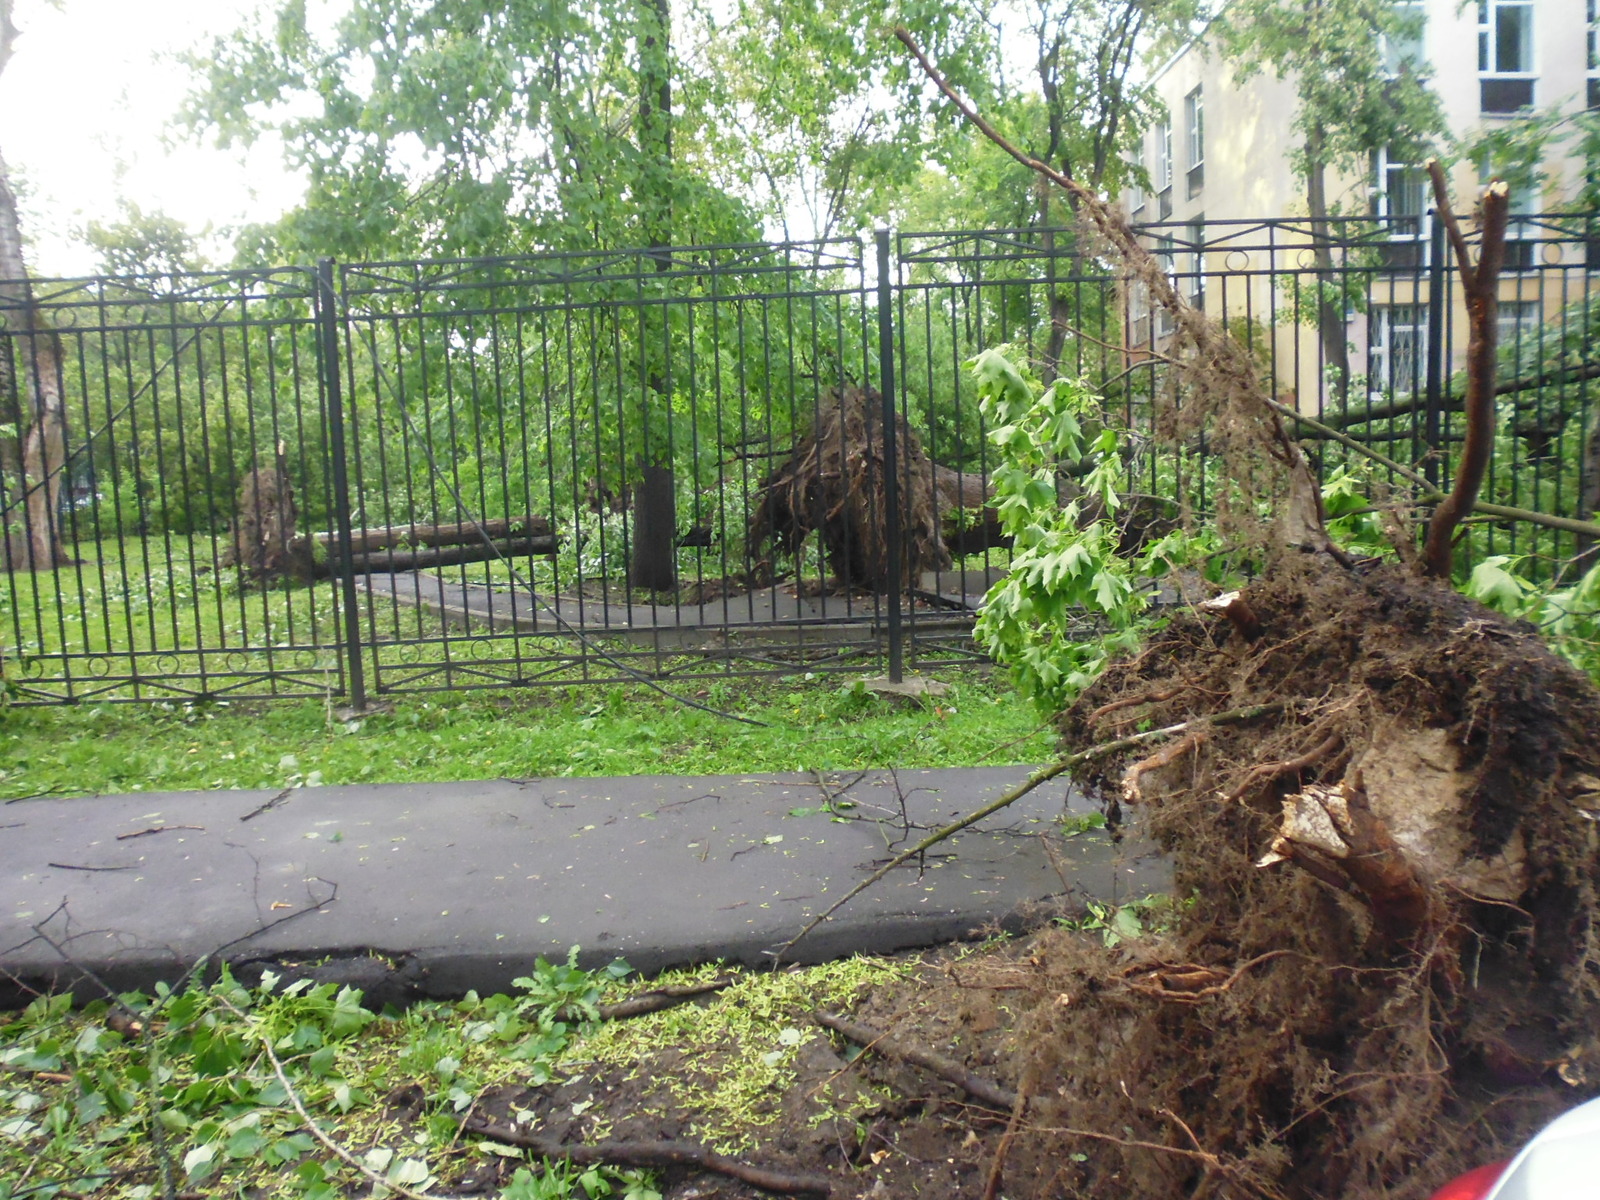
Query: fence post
1431	433
891	464
328	364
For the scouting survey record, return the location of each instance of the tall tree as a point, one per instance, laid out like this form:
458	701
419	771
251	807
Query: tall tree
467	127
1354	99
30	366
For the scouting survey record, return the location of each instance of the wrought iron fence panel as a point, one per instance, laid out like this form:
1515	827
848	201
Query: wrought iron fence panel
575	468
174	389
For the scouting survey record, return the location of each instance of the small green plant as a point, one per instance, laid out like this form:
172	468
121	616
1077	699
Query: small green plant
1352	520
1118	923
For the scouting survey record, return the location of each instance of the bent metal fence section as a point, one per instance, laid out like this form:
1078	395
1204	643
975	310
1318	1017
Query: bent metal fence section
381	478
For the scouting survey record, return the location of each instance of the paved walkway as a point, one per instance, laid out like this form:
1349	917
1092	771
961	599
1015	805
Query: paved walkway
432	889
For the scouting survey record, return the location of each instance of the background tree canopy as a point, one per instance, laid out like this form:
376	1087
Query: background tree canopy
470	128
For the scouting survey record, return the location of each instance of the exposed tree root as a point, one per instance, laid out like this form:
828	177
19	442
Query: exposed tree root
946	1068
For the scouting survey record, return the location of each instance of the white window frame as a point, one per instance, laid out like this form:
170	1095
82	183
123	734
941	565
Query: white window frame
1136	194
1490	14
1196	233
1163	155
1384	195
1392	370
1194	123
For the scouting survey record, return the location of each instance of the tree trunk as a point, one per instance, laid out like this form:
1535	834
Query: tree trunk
1330	314
654	560
35	361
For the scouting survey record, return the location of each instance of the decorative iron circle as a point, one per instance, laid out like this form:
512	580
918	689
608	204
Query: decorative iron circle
1306	259
482	649
1552	253
99	666
306	660
236	661
166	664
1242	263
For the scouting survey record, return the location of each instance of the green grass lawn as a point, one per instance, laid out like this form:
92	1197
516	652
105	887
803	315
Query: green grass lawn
825	723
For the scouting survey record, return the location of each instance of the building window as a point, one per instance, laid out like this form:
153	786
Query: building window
1164	168
1397	348
1400	201
1505	55
1136	197
1138	314
1167	256
1194	123
1402	49
1594	54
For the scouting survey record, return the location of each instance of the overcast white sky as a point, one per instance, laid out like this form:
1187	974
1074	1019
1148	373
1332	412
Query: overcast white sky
85	105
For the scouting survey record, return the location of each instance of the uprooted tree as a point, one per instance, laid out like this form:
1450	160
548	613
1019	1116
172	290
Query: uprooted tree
836	484
1380	801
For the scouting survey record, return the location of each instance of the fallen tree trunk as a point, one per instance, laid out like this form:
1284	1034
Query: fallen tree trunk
364	541
391	559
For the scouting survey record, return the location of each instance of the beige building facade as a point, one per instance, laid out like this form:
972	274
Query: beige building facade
1229	210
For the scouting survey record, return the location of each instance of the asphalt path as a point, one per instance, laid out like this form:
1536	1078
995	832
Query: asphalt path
414	890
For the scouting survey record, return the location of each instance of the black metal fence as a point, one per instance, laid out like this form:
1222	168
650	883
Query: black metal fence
544	470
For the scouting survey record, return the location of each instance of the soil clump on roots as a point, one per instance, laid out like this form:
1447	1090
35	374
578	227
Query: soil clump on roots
1385	965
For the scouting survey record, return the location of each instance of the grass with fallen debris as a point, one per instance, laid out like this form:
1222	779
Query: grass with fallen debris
807	724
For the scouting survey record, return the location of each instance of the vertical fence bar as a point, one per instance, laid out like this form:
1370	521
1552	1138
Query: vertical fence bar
891	465
328	364
1431	421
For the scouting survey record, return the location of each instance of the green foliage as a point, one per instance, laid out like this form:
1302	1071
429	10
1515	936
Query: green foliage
1071	601
1568	616
81	1102
1353	522
1517	149
1117	923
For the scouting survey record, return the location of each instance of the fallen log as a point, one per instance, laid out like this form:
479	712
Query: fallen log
389	560
463	533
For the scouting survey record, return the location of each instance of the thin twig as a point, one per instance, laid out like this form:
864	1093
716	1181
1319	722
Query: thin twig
997	1168
1042	776
333	1147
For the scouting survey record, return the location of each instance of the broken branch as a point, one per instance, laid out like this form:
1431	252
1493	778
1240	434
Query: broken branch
983	1090
656	1000
1432	495
1479	284
655	1154
1041	776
